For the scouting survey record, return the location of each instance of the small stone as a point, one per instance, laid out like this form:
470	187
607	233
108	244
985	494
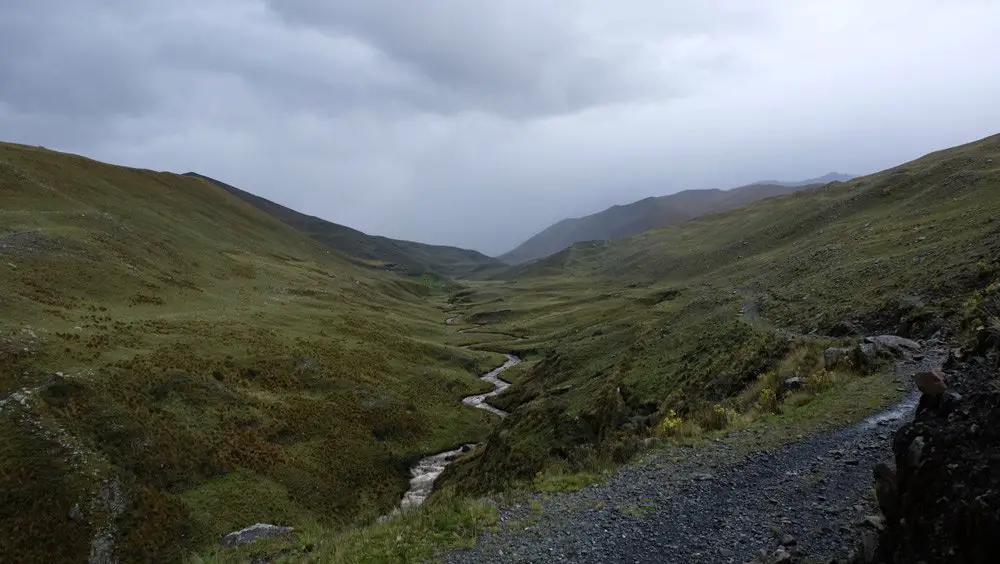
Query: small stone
874	521
781	556
788	540
76	514
794	383
702	477
915	451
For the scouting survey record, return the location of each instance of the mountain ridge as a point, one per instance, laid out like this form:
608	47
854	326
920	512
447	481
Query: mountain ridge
409	257
634	218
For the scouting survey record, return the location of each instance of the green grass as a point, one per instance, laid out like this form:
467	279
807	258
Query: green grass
555	480
445	522
220	366
625	331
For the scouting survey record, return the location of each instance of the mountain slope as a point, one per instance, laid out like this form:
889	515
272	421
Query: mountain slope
176	364
393	254
698	325
634	218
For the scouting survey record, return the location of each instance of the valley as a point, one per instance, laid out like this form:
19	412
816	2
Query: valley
178	363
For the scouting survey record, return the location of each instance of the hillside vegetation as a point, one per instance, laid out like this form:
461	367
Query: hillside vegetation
176	364
695	327
649	213
406	257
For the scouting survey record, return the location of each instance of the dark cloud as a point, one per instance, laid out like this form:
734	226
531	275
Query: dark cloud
476	123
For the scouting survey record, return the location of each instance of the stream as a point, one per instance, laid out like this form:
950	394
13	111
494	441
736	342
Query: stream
424	473
427	470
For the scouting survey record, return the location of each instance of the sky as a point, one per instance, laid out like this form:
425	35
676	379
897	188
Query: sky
478	123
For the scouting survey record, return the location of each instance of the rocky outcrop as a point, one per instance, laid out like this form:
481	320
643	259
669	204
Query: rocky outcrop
253	533
870	351
896	346
941	502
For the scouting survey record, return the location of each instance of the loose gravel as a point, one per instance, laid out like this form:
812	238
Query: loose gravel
716	503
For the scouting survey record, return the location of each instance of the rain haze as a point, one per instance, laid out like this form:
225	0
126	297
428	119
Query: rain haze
477	123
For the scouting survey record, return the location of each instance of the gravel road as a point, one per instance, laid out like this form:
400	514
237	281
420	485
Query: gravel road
712	503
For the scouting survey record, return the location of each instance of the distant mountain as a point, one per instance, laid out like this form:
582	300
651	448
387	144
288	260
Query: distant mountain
825	179
650	213
377	251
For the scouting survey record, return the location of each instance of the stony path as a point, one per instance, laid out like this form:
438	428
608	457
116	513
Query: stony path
710	504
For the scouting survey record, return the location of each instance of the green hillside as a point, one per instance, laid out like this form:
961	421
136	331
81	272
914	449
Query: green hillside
176	364
643	215
706	319
406	257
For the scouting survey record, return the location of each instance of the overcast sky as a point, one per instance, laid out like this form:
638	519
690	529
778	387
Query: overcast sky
479	122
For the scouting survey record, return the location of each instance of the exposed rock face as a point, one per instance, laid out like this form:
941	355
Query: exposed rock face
942	502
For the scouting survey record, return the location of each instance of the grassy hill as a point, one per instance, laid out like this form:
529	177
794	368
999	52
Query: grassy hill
634	218
406	257
695	326
176	364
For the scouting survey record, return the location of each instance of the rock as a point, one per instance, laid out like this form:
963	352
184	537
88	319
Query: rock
788	540
794	383
931	383
253	533
835	357
76	514
887	491
702	477
915	452
869	547
949	402
843	329
874	521
946	476
865	354
781	556
894	345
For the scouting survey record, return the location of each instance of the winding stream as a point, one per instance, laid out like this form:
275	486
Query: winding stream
424	473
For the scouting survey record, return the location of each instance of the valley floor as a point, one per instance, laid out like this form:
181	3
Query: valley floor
732	500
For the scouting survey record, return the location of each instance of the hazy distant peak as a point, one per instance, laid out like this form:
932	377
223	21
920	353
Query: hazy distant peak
825	179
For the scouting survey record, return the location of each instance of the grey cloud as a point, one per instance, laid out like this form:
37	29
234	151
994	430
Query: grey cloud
519	58
477	123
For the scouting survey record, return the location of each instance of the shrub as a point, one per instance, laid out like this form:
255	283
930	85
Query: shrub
670	424
769	401
820	380
716	417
